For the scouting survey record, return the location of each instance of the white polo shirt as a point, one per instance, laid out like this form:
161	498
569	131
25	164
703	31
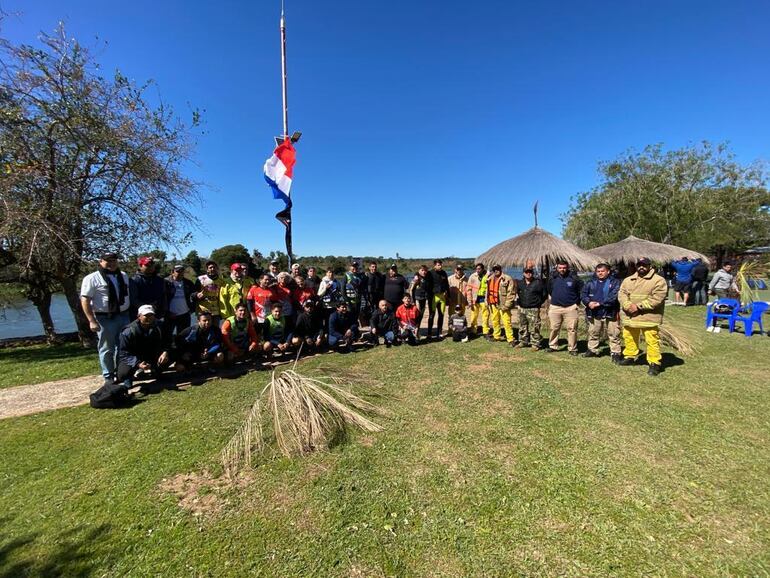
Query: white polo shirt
95	288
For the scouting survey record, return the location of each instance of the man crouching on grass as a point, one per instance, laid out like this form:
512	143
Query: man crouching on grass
141	349
199	344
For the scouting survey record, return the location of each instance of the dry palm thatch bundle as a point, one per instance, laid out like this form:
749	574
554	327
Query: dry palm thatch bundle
678	340
304	414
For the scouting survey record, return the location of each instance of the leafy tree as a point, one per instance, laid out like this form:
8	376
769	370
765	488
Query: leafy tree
193	261
697	197
229	254
88	164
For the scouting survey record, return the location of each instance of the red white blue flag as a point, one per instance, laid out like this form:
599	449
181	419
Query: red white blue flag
278	173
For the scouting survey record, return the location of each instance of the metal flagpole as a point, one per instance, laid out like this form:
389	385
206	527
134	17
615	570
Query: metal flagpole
285	92
284	75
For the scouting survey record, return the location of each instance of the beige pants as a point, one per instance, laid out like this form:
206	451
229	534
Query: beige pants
595	329
557	316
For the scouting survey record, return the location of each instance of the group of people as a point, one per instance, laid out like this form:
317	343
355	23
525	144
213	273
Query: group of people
144	323
689	279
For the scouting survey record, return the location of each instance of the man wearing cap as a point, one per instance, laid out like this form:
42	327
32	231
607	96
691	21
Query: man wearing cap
642	299
564	290
531	296
600	297
142	351
104	297
207	288
355	285
235	290
147	288
501	296
179	296
457	288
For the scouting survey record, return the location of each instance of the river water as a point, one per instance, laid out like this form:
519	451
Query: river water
20	318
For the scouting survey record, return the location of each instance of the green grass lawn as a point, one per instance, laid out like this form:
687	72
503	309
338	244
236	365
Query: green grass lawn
40	363
494	462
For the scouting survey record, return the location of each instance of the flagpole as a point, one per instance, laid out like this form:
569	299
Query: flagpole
285	93
284	76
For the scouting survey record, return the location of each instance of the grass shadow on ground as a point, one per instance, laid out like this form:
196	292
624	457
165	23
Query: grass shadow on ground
73	552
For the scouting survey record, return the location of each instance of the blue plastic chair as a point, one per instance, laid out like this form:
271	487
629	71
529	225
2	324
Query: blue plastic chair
712	316
749	315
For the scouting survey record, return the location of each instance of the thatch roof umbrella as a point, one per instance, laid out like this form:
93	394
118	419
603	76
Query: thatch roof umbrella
631	248
541	248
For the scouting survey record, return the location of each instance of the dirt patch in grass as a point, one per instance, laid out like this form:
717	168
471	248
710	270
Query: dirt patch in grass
201	494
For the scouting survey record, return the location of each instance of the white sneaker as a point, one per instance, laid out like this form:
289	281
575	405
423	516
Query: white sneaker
710	329
717	329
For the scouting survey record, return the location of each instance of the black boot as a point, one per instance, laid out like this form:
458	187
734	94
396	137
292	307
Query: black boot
627	361
616	358
654	369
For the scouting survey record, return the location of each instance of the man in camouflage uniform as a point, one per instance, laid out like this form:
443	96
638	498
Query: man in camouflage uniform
532	295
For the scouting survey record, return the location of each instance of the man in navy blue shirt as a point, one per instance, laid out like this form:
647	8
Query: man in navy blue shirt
600	297
564	290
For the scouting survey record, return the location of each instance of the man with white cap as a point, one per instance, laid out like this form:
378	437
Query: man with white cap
105	301
142	350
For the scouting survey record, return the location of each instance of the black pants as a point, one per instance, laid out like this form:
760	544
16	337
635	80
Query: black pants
431	315
421	303
178	323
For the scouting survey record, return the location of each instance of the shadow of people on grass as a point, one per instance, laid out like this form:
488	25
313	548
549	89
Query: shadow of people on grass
70	553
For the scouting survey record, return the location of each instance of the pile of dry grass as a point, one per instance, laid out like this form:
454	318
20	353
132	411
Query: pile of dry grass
678	339
298	414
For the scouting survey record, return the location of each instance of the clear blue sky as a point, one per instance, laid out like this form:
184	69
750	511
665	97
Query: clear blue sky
430	127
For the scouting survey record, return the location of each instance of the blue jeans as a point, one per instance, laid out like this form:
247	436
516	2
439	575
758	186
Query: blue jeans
108	341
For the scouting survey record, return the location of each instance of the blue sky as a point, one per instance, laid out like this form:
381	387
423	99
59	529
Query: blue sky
430	128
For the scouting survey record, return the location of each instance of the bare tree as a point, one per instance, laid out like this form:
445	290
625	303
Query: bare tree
88	164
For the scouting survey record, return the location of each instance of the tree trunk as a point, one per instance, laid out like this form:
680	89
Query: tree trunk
42	302
73	300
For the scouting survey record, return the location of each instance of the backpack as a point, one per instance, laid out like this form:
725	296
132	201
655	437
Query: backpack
110	396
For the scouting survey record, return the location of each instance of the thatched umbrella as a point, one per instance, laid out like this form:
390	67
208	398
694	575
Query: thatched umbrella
631	248
538	247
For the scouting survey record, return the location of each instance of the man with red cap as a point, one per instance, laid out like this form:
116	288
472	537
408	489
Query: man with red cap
147	288
235	290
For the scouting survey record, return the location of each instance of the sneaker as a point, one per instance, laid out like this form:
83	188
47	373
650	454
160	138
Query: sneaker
717	330
654	369
590	353
525	344
627	361
574	353
464	340
488	337
710	328
616	358
550	350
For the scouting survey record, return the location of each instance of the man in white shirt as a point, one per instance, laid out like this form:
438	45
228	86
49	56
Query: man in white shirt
179	296
104	299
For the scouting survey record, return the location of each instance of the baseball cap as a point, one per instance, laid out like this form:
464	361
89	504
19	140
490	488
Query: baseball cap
146	260
236	267
274	262
643	261
178	267
458	307
146	310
